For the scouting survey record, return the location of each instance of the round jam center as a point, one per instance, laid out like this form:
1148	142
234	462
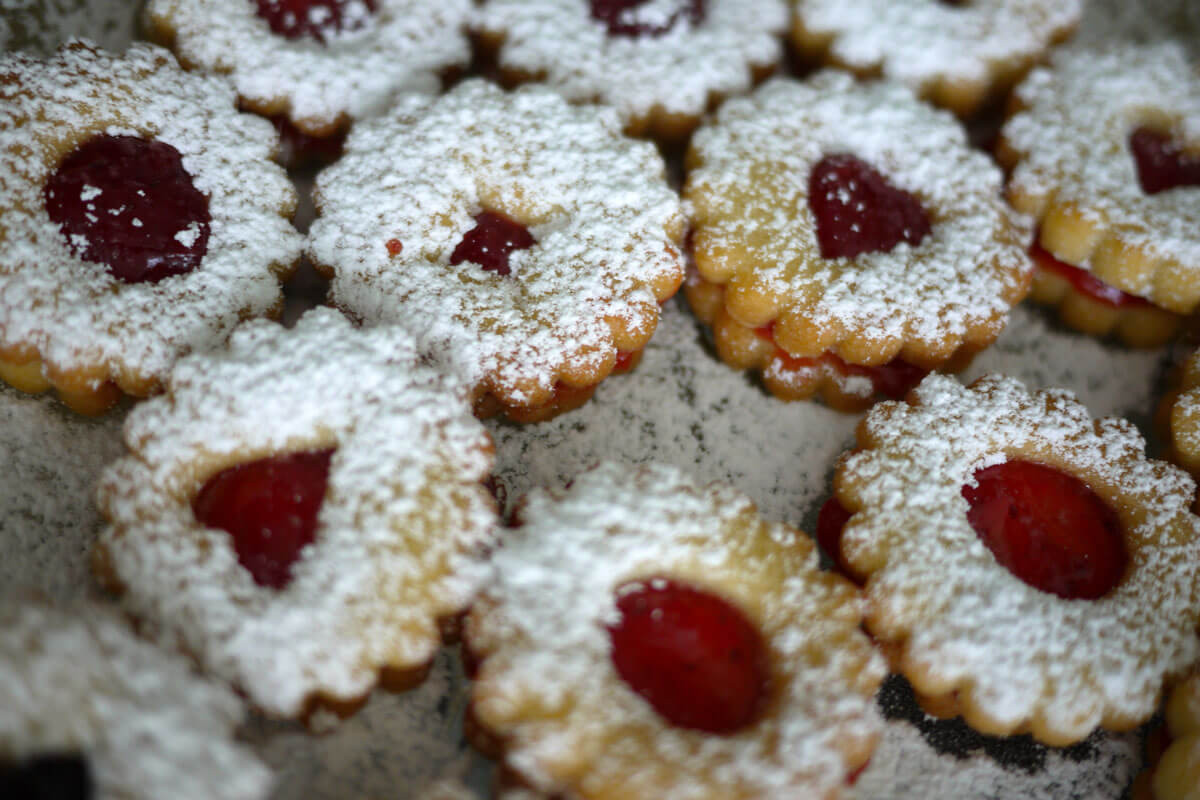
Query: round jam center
694	657
1047	528
1085	282
129	204
316	19
270	508
645	17
48	777
491	241
858	211
1161	162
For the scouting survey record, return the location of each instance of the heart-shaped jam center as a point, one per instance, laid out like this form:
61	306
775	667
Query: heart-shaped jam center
270	508
690	654
1085	282
1048	528
491	241
1161	162
316	19
128	203
645	17
48	777
858	211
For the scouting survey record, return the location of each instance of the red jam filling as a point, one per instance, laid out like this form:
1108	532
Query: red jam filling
1085	282
1161	162
300	149
316	19
831	519
618	16
491	241
893	380
129	204
1047	528
270	508
858	211
47	777
694	657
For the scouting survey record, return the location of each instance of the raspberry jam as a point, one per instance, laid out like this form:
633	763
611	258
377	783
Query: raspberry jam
893	380
623	19
1161	162
1047	528
270	508
694	657
47	777
491	241
1085	282
858	211
128	203
299	149
316	19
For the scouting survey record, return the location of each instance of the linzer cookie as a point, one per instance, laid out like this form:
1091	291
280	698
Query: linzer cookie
1104	148
91	711
847	239
956	54
140	218
527	237
660	63
300	511
1176	775
1025	565
317	63
644	637
1180	410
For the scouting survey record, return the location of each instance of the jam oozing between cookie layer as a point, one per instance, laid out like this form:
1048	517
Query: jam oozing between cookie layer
690	654
1161	162
1047	528
630	18
859	211
316	19
893	380
831	519
1085	282
270	508
491	241
129	204
48	777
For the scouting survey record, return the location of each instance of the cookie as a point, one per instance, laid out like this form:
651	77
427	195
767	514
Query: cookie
1025	566
300	532
644	636
526	238
128	233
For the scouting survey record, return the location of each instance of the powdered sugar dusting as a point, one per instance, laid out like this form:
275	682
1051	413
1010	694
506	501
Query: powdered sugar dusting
79	681
401	520
956	280
540	628
73	311
919	42
1073	140
1017	655
677	72
597	204
355	73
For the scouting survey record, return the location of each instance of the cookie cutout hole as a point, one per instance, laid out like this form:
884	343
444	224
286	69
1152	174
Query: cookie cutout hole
491	241
632	18
269	507
48	777
859	211
1048	528
690	654
315	19
129	204
1162	162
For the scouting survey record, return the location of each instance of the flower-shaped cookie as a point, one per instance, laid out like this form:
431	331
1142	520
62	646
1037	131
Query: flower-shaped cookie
88	706
300	511
661	63
320	63
646	637
1026	565
526	237
140	218
956	54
